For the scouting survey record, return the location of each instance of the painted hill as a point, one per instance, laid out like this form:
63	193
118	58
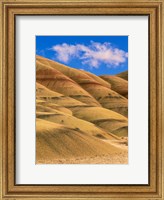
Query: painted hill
56	143
123	75
58	82
118	84
79	115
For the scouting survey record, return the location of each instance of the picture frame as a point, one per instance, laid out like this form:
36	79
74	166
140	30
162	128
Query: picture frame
10	9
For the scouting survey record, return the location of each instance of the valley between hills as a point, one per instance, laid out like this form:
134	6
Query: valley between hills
81	118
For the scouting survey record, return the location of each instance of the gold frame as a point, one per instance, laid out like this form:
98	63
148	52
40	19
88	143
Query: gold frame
155	10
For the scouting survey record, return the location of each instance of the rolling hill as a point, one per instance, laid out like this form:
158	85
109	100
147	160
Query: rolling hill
123	75
79	115
118	84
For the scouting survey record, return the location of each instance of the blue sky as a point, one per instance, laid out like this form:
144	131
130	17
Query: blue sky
97	54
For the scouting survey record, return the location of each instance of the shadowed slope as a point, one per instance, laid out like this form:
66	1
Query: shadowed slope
51	107
101	117
99	79
108	98
117	84
123	75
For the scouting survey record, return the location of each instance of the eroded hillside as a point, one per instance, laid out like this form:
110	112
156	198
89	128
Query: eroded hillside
80	117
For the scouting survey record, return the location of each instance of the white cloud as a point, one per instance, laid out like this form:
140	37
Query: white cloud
65	51
93	55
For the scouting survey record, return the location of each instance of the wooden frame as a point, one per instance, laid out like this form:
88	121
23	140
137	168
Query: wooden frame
11	8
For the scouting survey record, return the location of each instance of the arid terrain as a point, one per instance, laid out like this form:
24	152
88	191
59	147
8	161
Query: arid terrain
80	117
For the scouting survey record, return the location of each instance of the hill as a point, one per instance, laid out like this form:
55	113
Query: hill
118	84
58	82
57	143
80	117
123	75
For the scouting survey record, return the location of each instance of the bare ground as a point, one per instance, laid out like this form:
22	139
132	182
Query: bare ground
118	158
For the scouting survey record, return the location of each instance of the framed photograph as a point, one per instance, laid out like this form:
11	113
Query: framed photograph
81	99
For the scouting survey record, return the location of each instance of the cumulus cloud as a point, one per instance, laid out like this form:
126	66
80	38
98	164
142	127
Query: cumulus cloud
93	54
